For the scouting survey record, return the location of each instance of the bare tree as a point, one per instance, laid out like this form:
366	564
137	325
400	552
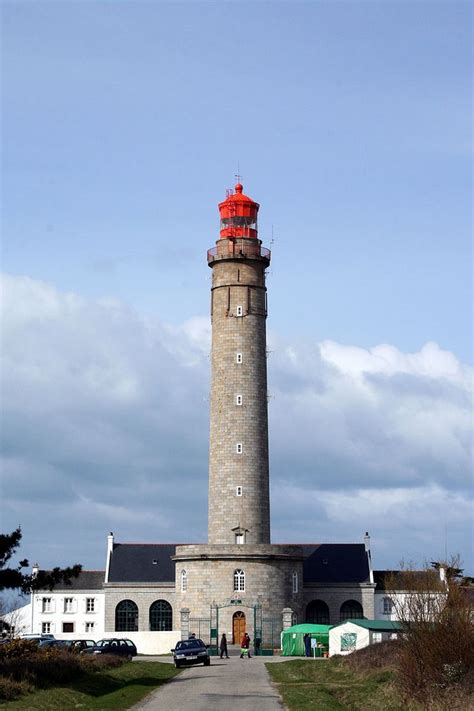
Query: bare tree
437	642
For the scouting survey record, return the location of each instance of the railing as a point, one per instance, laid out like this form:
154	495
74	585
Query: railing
236	250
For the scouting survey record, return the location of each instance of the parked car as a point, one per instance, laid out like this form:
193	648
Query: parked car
77	645
190	651
56	643
122	647
37	637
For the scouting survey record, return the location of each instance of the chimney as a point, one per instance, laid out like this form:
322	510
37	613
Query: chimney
442	574
34	570
369	556
110	548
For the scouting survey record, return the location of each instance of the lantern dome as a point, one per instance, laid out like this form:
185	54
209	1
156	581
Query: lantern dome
238	215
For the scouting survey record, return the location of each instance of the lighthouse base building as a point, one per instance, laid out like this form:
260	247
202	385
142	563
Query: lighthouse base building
239	581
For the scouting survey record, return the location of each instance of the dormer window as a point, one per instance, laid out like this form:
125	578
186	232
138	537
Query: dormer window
239	311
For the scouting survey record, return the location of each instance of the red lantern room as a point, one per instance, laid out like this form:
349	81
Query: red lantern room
238	215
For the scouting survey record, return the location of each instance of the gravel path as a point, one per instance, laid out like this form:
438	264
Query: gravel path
233	683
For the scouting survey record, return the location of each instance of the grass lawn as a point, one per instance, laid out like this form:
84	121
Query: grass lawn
115	689
332	686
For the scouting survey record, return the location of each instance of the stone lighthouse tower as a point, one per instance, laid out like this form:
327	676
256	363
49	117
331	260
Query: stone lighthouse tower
239	508
238	577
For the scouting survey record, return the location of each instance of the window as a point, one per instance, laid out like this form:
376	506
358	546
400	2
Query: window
90	604
240	539
317	613
295	581
239	358
161	616
351	610
68	627
387	606
89	626
126	616
393	635
45	627
184	581
376	637
47	605
68	604
239	580
348	642
239	448
240	311
238	399
238	491
294	618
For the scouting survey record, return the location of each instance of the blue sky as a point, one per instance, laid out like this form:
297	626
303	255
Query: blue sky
124	123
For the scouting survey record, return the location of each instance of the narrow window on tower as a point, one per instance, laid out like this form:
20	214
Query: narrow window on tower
238	399
184	581
238	490
239	448
240	310
295	581
239	358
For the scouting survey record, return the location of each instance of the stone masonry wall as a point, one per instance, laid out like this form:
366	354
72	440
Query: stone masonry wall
239	283
268	581
143	596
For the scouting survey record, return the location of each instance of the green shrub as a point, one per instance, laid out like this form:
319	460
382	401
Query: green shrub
18	648
11	689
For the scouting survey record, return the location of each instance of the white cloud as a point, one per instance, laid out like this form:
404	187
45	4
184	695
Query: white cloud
105	427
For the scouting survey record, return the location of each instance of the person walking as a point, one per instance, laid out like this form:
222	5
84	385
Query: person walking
307	644
223	646
245	647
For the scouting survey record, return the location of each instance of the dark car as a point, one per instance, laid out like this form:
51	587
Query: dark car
77	645
121	647
54	643
190	651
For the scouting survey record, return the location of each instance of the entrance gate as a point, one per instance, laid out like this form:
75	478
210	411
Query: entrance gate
265	630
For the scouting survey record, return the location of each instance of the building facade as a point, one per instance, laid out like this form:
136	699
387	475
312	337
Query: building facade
239	581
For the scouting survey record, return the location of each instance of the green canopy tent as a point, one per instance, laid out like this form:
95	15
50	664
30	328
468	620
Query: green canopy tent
292	644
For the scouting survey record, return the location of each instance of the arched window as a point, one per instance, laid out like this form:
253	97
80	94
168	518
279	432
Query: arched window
161	616
184	581
239	581
126	616
294	618
295	581
351	610
317	613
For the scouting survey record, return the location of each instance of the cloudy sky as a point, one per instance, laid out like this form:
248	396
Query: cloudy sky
124	123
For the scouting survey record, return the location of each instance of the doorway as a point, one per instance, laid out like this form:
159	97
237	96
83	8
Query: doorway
238	627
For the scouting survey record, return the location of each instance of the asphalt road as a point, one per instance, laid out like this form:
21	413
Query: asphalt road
234	683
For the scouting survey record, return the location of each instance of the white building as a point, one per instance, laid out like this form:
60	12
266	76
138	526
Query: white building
74	611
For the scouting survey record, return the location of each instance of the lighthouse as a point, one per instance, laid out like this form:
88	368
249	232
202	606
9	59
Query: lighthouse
239	506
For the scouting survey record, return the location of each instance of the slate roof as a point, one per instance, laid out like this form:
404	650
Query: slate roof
400	578
142	563
335	563
324	563
87	580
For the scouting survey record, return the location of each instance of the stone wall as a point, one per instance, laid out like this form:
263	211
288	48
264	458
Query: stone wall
268	582
238	284
334	595
143	595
